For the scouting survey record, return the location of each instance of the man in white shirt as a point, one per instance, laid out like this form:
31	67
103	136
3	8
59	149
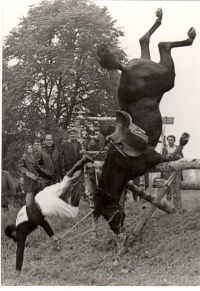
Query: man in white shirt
167	151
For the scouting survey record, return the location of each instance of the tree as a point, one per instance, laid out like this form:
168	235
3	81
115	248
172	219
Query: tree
51	70
55	52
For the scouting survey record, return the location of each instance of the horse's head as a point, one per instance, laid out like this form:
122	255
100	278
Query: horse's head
110	208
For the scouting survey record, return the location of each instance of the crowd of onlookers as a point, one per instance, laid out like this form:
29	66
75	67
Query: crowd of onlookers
44	164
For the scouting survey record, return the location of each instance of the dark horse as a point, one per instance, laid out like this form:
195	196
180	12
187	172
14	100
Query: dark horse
142	85
8	189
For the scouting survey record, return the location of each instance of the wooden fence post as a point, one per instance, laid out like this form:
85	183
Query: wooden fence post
89	189
142	223
144	195
177	192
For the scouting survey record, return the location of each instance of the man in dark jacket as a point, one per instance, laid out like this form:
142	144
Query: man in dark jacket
26	167
48	162
71	150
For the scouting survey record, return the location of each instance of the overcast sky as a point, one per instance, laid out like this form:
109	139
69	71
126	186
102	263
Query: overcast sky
135	18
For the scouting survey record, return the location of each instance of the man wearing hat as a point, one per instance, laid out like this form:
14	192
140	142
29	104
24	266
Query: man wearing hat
71	150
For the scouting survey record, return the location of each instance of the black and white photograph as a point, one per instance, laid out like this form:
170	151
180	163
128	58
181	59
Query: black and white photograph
100	143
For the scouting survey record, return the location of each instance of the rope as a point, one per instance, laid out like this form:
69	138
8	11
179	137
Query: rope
117	147
113	215
107	152
69	230
79	234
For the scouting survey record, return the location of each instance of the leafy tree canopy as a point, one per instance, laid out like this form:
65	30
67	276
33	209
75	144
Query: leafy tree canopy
50	68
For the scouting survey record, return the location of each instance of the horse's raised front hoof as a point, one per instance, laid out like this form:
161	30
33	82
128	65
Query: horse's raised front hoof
192	34
159	13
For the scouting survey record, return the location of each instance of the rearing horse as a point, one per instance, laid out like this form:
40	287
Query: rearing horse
142	85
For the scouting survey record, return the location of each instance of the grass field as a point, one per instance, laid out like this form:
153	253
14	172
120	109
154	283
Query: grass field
168	254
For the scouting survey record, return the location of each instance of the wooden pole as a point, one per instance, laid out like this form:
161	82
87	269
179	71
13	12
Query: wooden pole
177	192
184	185
179	165
142	223
191	185
144	195
98	118
165	119
89	189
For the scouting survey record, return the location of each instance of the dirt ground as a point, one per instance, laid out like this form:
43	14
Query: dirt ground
167	254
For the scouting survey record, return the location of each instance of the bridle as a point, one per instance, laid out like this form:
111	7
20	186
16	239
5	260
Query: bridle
117	148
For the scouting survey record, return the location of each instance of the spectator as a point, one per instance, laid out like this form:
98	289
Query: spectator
48	162
37	146
83	139
93	145
71	150
168	150
104	130
171	147
27	168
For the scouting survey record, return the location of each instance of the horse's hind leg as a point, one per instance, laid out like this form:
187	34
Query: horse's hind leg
165	47
145	39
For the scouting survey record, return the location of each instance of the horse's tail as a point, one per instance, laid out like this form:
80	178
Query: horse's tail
107	59
9	231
